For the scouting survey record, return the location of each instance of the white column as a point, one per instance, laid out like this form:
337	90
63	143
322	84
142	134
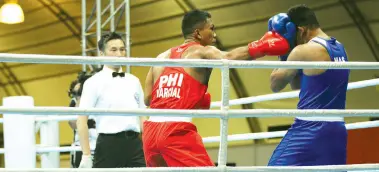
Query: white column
19	136
49	133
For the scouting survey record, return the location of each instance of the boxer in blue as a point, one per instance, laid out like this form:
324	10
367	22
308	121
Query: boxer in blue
311	140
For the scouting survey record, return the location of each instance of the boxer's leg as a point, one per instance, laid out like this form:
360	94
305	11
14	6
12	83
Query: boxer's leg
330	144
150	148
185	148
309	143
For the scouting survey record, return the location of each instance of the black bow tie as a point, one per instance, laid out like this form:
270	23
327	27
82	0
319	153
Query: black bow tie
115	74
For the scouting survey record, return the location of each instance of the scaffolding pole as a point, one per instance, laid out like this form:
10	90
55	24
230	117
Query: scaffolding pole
112	29
111	17
127	31
98	25
87	24
84	39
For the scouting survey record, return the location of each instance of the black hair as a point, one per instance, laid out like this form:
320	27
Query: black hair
108	37
82	77
192	20
301	15
71	89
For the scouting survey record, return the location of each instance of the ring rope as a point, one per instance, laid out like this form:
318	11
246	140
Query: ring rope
204	113
247	100
192	113
266	135
215	139
291	94
353	167
64	59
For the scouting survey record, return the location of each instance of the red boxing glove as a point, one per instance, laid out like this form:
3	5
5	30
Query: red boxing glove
205	103
271	43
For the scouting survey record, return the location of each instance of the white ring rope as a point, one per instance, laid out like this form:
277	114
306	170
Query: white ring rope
291	94
106	111
216	139
223	114
266	135
64	59
247	100
193	113
54	118
353	167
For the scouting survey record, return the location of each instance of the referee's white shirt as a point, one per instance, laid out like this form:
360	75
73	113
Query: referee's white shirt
103	90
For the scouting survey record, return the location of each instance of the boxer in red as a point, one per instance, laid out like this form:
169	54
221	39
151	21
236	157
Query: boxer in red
174	141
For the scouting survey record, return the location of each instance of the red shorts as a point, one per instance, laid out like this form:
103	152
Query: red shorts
173	144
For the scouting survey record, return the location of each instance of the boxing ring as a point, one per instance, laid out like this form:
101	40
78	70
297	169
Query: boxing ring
20	152
224	113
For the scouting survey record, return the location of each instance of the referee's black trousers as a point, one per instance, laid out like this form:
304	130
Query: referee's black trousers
119	150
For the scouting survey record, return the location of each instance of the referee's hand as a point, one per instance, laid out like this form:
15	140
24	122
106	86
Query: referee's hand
86	161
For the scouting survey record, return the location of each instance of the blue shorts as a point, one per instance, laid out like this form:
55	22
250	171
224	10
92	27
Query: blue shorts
310	143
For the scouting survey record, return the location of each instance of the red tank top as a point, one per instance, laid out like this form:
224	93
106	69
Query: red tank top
175	88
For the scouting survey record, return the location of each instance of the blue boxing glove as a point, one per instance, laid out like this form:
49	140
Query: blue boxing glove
281	23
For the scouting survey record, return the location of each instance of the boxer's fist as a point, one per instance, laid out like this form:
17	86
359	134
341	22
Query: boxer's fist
281	23
205	103
271	43
86	161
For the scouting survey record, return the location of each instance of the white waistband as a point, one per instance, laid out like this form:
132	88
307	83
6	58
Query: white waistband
330	119
169	119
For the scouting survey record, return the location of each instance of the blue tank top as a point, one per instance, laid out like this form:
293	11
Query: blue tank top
327	90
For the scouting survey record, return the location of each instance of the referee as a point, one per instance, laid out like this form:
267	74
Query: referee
118	144
74	93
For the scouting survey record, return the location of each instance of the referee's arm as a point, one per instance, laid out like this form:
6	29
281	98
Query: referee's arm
87	100
141	104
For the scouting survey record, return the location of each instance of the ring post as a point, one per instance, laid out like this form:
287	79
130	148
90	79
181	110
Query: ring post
222	155
19	135
49	135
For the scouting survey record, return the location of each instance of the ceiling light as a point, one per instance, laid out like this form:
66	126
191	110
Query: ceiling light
11	13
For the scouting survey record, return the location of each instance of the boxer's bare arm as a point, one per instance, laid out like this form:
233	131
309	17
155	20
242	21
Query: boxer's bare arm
281	77
269	44
211	52
296	82
149	82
